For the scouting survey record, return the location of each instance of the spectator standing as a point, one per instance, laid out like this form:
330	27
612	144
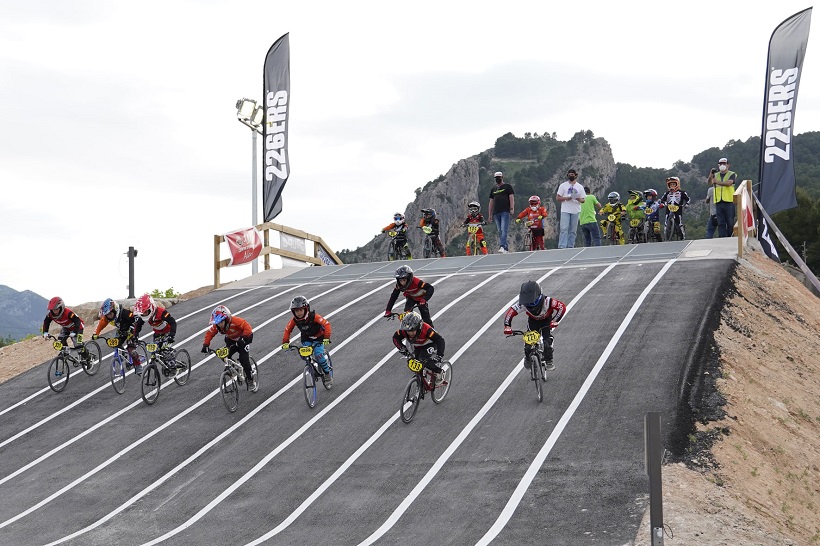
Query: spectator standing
502	205
571	195
588	220
723	180
712	221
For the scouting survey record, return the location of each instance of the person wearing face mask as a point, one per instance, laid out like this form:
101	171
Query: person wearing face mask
502	205
570	194
723	181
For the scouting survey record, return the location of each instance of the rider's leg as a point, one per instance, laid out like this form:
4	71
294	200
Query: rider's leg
319	353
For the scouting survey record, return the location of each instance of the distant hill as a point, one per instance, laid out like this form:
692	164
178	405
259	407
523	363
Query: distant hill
536	164
21	313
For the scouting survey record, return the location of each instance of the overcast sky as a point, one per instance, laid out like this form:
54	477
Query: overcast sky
119	124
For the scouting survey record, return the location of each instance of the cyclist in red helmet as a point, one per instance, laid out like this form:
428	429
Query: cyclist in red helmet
415	290
535	214
238	337
158	318
71	325
474	218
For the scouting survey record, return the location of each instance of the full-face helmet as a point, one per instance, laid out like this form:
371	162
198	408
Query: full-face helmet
614	198
429	214
109	307
145	308
404	275
474	207
650	194
530	295
411	321
301	304
535	202
221	318
673	183
56	307
398	218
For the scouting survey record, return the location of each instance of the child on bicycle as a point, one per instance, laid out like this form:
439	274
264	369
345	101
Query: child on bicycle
315	331
543	314
426	343
238	337
679	199
613	206
123	320
428	219
634	213
474	218
158	318
71	325
400	228
535	214
652	211
416	291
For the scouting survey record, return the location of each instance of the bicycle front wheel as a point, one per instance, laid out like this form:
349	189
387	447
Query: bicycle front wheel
441	390
92	365
310	385
118	374
58	374
410	401
535	371
183	364
230	390
151	383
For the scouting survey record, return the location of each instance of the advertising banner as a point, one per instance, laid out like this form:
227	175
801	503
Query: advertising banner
245	245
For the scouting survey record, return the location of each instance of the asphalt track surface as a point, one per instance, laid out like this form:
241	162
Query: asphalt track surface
490	464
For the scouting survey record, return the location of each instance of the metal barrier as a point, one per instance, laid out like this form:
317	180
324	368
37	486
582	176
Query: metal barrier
322	254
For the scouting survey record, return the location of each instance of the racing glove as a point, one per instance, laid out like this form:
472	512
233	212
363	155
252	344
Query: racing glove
285	346
205	349
508	330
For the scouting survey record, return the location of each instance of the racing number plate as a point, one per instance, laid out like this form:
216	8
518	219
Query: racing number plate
415	365
306	351
58	346
472	229
611	217
392	233
531	337
673	208
151	347
635	222
113	342
222	352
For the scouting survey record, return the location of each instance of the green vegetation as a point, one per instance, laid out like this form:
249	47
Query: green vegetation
167	294
6	341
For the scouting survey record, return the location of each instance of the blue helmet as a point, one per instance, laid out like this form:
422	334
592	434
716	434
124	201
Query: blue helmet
108	306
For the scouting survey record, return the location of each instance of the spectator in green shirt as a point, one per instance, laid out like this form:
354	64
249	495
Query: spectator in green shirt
588	221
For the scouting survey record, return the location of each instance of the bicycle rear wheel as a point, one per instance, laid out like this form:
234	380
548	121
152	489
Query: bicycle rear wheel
310	385
411	399
229	389
92	365
58	374
118	373
151	383
183	364
535	372
440	391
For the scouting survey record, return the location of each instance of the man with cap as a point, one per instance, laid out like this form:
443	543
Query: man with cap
723	181
502	204
570	195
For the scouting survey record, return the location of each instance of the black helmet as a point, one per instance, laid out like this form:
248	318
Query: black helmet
404	272
299	302
411	321
530	295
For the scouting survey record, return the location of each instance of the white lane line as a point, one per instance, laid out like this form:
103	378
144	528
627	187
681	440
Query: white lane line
47	389
467	430
529	475
304	428
107	384
235	426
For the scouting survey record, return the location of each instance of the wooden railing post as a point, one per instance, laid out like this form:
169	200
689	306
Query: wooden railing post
217	240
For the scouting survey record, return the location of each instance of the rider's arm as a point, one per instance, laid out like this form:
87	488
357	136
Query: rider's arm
428	290
75	319
511	312
438	341
684	197
100	325
46	323
209	334
324	323
398	341
288	329
166	316
558	308
392	301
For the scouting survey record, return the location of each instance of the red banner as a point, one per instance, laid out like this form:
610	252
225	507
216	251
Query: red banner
245	245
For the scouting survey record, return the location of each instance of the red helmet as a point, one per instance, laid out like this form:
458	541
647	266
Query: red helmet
145	307
56	306
535	201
